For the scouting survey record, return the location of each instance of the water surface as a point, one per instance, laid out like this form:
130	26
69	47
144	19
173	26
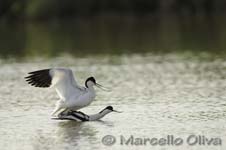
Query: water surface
159	94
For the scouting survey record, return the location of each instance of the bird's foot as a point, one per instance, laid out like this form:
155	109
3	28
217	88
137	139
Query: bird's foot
63	113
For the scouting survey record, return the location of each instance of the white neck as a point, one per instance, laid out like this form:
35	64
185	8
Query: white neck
98	116
91	89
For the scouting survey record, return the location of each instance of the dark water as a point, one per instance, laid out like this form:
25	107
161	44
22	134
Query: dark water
113	35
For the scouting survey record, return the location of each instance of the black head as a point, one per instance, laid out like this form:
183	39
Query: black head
109	108
90	79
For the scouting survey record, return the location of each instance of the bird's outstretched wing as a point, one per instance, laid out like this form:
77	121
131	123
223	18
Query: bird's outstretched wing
60	78
40	78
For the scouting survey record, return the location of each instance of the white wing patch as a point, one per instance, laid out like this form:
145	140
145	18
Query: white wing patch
64	83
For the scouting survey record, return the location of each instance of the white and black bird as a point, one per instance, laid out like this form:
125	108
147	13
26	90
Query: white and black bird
72	96
80	116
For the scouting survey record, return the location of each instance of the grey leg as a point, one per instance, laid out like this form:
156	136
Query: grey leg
65	112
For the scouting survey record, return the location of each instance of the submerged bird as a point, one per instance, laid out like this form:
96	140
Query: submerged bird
72	96
80	116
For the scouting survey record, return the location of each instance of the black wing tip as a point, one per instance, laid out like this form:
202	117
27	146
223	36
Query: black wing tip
38	71
39	86
39	78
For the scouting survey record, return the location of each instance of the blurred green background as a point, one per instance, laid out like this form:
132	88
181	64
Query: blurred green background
52	9
85	27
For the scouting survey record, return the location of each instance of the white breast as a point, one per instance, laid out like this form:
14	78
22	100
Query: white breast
83	100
